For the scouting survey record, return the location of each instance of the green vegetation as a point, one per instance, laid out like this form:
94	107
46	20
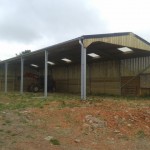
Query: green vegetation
64	104
1	142
1	130
55	142
7	122
14	134
8	131
15	101
2	106
140	134
19	102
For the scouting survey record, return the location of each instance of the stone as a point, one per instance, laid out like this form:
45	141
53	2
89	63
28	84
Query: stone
77	140
147	127
85	125
129	125
95	122
116	117
48	138
88	117
116	131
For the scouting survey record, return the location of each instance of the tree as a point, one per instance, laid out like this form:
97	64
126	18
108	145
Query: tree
24	52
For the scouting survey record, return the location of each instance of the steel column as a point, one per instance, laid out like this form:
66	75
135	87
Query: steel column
6	72
45	74
22	72
83	71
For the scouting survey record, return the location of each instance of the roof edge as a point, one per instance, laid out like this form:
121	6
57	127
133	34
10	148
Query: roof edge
115	34
40	50
75	39
106	35
143	40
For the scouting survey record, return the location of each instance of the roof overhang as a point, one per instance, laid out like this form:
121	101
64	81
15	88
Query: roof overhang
104	45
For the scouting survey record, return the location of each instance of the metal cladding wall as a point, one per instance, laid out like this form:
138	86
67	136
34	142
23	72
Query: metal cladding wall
102	78
67	78
105	77
133	66
129	40
126	77
135	73
13	77
2	78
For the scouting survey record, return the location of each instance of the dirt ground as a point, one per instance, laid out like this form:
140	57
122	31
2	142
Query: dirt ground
63	122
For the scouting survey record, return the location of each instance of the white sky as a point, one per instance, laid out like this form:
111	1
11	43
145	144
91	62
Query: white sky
34	24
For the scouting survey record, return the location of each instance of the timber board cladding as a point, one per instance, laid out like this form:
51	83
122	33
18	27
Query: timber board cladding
67	78
145	81
102	78
134	66
105	78
125	40
14	78
135	74
145	84
10	79
131	88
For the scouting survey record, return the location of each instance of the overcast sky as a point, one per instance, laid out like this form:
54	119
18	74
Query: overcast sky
34	24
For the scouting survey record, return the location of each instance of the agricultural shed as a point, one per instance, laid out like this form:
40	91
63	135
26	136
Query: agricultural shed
116	63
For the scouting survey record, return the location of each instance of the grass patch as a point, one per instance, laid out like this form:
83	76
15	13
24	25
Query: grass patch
140	134
64	104
1	142
14	101
14	134
23	120
29	137
8	131
55	142
2	106
20	102
1	130
13	142
8	122
124	137
68	117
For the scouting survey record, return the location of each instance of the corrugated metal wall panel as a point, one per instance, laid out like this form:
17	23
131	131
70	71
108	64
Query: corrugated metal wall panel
105	77
133	66
125	40
102	77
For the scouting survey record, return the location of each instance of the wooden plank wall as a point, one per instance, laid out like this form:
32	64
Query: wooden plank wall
14	78
10	77
102	78
2	78
134	69
67	78
132	88
133	66
105	78
125	40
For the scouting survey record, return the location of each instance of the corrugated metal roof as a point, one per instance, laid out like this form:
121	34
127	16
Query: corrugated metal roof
75	43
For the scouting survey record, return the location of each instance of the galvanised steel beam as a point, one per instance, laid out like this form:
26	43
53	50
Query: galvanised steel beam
22	72
83	71
46	73
6	72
